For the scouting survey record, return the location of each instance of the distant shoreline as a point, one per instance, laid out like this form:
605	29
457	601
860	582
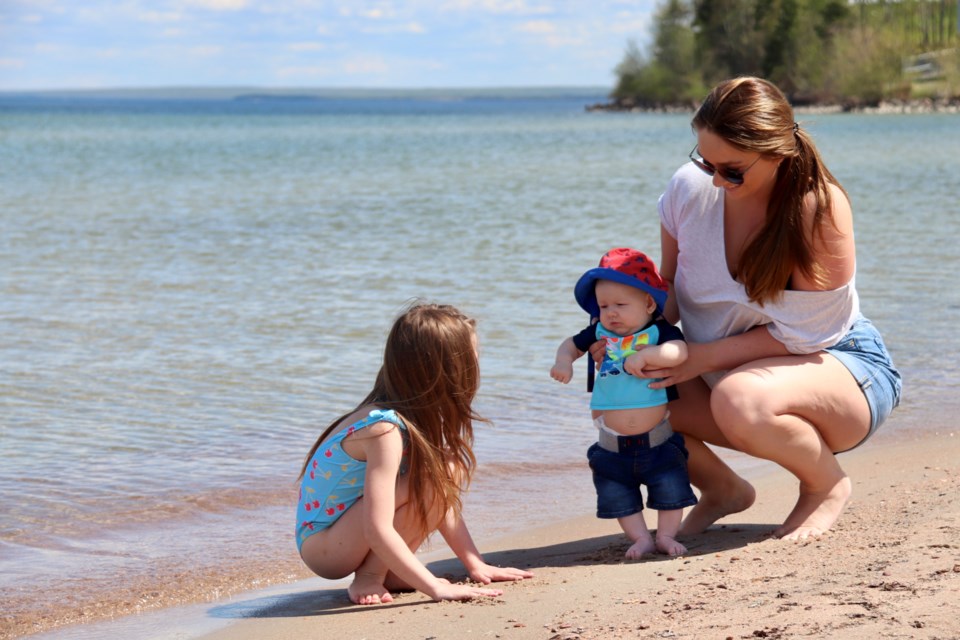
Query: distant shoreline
309	93
925	105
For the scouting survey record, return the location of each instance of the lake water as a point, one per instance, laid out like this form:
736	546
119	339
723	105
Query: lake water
191	289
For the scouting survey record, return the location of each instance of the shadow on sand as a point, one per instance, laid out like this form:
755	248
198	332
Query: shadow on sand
607	549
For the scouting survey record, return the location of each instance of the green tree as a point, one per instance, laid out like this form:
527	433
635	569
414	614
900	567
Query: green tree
866	66
728	40
671	75
851	51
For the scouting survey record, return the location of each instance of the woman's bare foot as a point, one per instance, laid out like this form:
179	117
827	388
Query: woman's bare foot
669	546
640	548
717	503
815	512
367	588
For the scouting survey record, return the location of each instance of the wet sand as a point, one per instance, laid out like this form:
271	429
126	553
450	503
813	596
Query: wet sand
889	569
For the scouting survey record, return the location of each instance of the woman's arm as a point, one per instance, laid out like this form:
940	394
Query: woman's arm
661	356
833	244
669	250
719	355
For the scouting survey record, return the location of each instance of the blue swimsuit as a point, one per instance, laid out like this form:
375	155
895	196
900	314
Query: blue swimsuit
333	481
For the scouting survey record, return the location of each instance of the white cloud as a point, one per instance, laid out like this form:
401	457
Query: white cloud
219	5
365	66
309	73
409	27
161	17
306	46
360	42
639	26
516	7
537	26
549	34
206	50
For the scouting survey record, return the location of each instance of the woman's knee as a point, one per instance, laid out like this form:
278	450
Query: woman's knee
741	403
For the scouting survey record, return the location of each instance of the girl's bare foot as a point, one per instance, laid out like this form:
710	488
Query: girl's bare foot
394	584
367	588
717	503
640	548
669	546
815	512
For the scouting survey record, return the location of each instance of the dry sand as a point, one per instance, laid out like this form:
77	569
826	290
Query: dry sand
889	569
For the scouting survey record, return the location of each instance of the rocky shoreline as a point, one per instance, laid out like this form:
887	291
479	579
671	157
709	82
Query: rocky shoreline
925	105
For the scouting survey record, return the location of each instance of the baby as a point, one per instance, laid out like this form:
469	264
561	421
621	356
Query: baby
636	444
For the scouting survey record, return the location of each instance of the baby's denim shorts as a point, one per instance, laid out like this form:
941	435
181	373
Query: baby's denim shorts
862	351
663	469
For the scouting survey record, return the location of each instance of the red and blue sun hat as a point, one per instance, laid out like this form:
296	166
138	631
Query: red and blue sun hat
626	266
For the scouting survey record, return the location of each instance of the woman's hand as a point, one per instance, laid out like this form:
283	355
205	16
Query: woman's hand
486	573
694	366
597	351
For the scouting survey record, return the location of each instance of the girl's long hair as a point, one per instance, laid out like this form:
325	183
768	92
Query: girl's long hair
429	377
752	114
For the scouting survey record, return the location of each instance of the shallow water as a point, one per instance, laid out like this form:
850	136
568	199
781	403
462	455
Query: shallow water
192	290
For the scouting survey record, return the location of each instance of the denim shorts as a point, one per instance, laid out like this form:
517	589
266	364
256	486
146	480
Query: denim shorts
862	352
618	476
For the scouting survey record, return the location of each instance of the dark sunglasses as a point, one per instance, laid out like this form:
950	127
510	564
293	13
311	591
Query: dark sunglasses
733	176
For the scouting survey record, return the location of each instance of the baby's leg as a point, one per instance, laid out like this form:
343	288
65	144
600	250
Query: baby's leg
668	523
636	529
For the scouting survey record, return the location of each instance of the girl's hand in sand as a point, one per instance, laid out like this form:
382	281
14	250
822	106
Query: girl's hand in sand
463	592
486	573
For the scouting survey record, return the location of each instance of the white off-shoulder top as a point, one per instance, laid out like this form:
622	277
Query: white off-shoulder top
713	305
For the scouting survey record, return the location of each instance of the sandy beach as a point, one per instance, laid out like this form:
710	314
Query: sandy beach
889	569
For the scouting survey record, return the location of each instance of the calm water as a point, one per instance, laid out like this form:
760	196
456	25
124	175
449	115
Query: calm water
192	290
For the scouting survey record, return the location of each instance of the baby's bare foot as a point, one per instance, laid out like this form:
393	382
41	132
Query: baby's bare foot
669	546
640	548
368	589
815	512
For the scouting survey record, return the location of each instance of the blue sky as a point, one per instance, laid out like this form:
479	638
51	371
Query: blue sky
85	44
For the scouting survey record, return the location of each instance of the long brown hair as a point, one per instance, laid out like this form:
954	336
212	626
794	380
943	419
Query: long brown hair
430	376
752	114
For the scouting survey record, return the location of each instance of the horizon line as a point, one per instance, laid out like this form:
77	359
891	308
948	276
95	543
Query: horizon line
272	89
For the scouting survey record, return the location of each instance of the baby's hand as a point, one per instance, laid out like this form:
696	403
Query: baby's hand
634	364
562	373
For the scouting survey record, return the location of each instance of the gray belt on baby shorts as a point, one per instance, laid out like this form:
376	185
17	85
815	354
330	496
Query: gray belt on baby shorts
610	440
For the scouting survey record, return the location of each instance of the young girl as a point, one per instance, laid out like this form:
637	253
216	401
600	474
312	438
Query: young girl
385	475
